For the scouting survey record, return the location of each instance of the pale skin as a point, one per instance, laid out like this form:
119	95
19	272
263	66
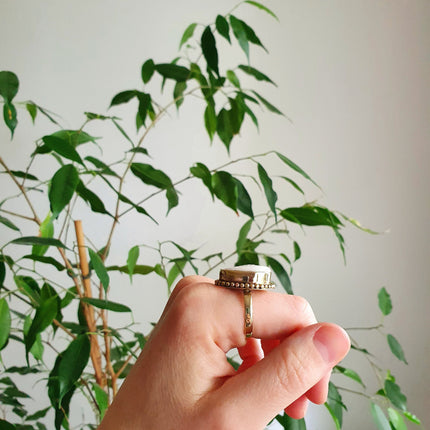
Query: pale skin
182	379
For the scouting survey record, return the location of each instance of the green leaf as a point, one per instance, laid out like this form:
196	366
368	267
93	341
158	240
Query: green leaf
280	273
244	201
201	171
240	34
256	74
91	198
350	374
311	216
43	318
105	169
396	420
267	104
412	417
222	27
46	260
225	189
178	93
37	349
36	240
144	107
133	255
176	270
210	120
8	223
63	186
297	251
188	33
123	97
396	348
29	287
2	272
294	184
224	127
289	423
271	195
173	71
209	49
393	392
379	417
262	7
9	85
62	147
102	399
6	425
335	405
148	69
37	415
231	76
4	323
72	363
243	234
46	229
384	300
74	137
10	116
24	175
106	304
295	167
99	268
188	256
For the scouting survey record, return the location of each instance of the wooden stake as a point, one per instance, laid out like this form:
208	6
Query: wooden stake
95	354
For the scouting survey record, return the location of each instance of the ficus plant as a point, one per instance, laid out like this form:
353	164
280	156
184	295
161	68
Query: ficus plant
55	284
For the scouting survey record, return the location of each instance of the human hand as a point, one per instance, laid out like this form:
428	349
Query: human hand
182	379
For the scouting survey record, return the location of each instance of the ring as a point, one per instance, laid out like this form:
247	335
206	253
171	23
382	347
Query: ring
246	278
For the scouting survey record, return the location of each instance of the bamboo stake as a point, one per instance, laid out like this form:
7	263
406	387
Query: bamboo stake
89	310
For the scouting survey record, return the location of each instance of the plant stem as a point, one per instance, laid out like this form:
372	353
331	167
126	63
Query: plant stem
17	215
376	327
22	189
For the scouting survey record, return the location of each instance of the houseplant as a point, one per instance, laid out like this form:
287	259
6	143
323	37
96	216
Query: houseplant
79	170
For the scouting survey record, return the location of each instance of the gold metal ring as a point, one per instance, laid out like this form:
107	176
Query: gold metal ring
246	278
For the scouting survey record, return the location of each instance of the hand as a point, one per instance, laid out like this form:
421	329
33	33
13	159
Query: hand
182	379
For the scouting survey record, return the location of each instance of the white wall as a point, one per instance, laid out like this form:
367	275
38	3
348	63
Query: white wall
354	79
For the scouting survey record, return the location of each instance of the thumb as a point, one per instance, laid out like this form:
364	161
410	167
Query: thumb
258	394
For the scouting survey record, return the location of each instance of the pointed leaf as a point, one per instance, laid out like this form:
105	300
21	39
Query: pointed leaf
396	420
209	49
311	216
91	198
379	417
267	104
72	363
10	116
105	169
256	74
46	229
99	268
102	399
24	175
384	300
176	270
210	120
412	417
139	269
188	33
47	260
123	97
231	76
5	321
295	167
243	234
280	273
271	195
133	255
240	34
106	304
43	318
201	171
8	223
396	348
173	71
262	7
224	127
62	147
148	69
335	405
289	423
63	186
393	392
225	189
178	93
9	85
244	201
350	374
222	27
36	240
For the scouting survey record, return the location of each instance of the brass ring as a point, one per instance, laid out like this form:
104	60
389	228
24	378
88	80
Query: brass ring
246	278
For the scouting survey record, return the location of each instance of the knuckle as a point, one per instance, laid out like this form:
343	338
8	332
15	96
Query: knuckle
303	307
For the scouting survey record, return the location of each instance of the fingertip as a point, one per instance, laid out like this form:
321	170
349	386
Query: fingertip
332	342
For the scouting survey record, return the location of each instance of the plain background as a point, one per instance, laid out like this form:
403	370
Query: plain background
353	77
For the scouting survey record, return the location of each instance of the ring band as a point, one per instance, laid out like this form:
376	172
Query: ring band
246	278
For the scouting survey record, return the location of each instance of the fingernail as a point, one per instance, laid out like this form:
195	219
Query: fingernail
332	342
